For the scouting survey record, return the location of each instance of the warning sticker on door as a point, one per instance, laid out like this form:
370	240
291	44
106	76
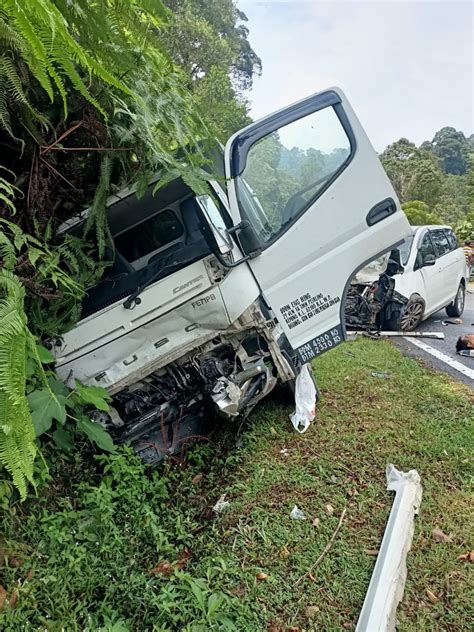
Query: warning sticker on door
320	344
305	307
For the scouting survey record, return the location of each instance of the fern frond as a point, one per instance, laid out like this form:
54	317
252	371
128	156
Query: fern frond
17	436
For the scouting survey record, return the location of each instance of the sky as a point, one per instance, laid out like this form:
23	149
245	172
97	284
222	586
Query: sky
406	67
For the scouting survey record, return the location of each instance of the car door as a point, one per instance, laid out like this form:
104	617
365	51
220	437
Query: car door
446	265
432	292
308	182
457	261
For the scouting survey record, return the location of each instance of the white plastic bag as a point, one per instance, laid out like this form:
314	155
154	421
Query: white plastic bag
305	399
297	513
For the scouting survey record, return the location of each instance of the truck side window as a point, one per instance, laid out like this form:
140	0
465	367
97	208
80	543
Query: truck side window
286	170
440	241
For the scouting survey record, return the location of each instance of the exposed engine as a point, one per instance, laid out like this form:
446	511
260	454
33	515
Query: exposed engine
366	302
371	305
176	405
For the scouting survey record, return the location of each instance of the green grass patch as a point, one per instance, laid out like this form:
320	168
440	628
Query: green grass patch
108	547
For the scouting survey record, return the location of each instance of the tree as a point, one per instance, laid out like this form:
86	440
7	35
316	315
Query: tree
90	97
226	112
451	147
453	201
415	173
209	39
419	214
465	228
89	100
211	33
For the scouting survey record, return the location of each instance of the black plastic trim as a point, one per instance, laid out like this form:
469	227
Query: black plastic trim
381	211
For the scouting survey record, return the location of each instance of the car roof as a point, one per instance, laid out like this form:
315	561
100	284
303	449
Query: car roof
432	227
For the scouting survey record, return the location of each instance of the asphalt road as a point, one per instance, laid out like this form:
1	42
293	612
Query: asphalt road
448	345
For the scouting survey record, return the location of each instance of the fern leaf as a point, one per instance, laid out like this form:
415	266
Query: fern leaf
17	437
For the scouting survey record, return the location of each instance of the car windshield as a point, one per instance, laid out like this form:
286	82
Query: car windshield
404	250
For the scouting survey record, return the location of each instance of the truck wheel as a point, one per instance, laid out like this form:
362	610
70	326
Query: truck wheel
456	308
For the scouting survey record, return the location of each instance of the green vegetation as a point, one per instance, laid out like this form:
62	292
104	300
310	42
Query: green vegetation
94	96
107	546
99	95
435	182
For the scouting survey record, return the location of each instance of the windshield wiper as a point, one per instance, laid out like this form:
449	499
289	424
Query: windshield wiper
134	298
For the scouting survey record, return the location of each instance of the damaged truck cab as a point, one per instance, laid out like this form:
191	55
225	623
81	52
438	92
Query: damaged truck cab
212	300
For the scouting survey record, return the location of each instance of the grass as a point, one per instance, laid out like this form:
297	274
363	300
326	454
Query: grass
113	572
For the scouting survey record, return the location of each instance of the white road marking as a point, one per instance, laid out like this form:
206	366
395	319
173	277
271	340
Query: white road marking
443	357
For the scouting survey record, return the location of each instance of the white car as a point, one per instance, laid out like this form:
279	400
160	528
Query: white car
423	275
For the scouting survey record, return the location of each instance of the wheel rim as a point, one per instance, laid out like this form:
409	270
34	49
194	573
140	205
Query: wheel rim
460	300
411	316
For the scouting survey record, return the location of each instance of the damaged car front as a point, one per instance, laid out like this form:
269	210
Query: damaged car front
373	303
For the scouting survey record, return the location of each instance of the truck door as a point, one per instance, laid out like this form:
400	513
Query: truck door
321	206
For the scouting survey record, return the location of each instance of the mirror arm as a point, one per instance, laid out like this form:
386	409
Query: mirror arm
234	264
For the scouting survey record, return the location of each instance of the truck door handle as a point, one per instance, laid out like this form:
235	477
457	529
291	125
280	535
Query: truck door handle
381	211
131	361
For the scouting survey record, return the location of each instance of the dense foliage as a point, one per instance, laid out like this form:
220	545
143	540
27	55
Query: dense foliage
94	95
435	182
112	555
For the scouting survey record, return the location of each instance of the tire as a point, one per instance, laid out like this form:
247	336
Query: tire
456	308
409	317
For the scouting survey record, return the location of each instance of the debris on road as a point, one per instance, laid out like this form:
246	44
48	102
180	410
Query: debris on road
388	578
439	335
466	353
297	514
452	321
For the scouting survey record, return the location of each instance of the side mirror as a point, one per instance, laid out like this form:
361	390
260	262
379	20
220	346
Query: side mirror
248	240
217	235
429	260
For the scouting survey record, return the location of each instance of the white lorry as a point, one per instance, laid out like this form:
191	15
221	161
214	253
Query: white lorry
212	300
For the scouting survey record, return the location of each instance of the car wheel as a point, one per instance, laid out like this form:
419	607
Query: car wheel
456	308
412	314
409	317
